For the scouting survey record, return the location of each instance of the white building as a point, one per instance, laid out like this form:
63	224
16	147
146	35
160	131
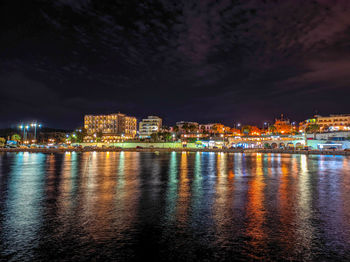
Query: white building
339	135
150	125
333	122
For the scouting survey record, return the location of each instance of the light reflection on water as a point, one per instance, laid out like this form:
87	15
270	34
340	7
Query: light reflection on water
178	206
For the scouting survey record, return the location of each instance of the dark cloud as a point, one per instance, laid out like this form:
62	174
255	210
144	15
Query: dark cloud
184	60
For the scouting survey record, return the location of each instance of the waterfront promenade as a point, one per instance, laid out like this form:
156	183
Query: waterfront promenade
157	150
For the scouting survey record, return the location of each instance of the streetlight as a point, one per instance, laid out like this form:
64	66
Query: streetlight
122	140
21	127
25	133
24	128
35	125
266	125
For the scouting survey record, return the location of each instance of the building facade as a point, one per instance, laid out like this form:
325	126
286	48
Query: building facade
111	127
283	125
333	122
149	125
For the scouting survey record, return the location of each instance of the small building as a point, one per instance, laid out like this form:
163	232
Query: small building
149	125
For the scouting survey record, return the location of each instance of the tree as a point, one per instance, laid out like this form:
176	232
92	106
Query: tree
246	130
175	129
99	136
154	137
60	137
272	129
165	128
2	142
161	136
313	129
16	137
267	145
80	133
167	136
192	128
185	127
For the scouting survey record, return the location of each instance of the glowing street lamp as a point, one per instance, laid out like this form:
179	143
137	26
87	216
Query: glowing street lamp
24	128
21	127
27	128
35	125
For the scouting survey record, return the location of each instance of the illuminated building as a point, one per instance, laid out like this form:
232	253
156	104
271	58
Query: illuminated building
333	122
109	127
283	125
150	125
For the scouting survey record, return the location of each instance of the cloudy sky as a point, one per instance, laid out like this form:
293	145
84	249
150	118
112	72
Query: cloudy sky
204	60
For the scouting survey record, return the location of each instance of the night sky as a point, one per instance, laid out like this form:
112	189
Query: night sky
207	61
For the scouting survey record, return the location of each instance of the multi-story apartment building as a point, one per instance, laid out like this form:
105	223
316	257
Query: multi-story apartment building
149	125
111	127
333	122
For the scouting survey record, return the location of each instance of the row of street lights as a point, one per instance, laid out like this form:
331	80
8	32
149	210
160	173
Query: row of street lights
25	128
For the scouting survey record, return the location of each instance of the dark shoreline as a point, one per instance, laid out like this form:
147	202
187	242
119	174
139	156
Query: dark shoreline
266	151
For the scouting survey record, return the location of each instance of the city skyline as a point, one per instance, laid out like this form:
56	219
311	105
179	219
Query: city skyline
195	61
261	124
174	130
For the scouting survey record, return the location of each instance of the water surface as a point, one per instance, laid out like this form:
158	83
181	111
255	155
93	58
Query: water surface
173	206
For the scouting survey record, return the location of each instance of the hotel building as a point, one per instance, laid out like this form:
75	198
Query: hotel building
149	125
113	127
333	122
